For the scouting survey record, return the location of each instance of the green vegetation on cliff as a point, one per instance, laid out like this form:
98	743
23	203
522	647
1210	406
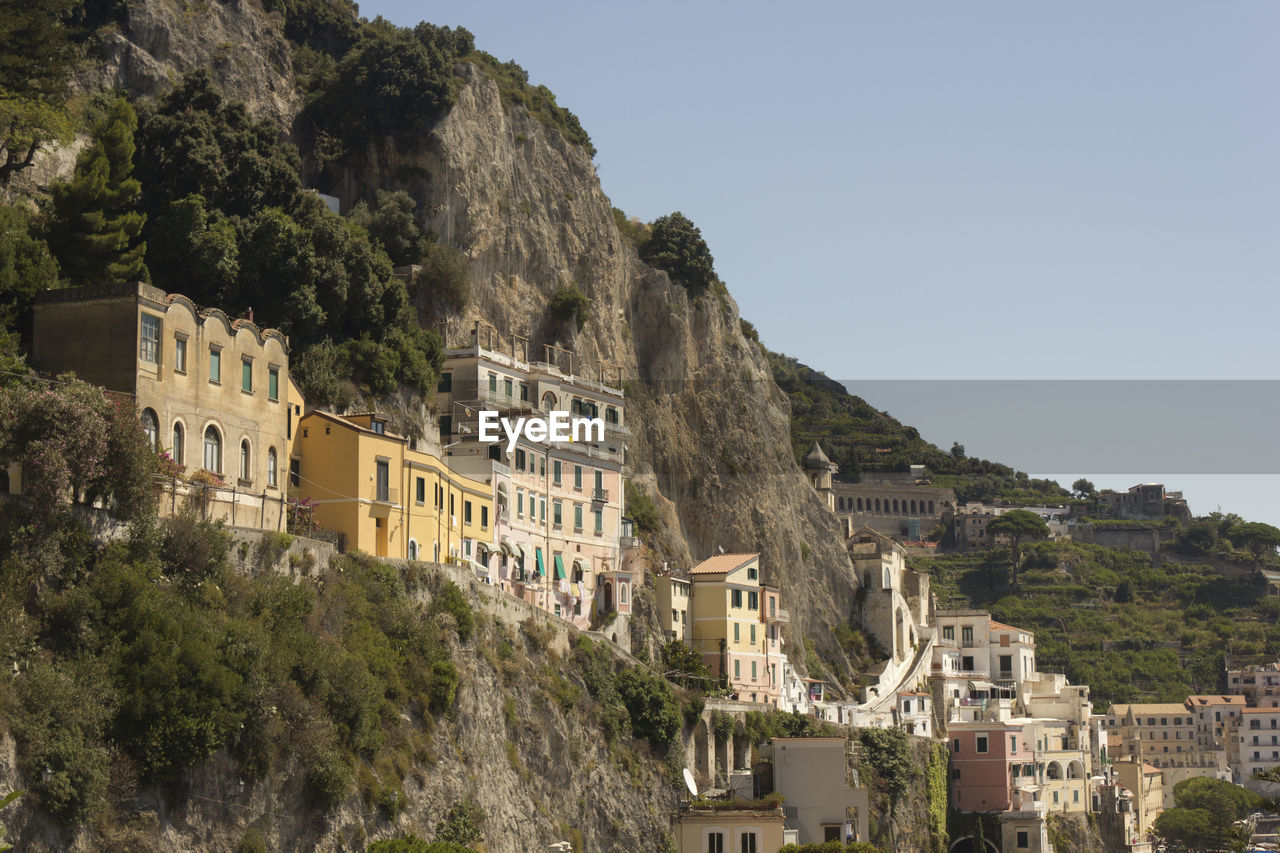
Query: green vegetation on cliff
1110	619
858	437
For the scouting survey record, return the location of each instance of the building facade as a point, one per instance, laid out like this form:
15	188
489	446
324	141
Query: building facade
385	498
562	500
736	623
211	391
820	799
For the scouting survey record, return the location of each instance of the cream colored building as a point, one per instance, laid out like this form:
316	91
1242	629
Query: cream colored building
728	829
820	799
673	595
211	391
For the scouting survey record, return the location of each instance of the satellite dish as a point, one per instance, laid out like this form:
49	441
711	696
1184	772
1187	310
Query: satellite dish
689	783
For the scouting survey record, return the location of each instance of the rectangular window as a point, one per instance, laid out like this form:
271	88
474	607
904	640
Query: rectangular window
715	842
753	573
737	635
753	634
384	480
599	514
493	382
966	635
524	392
753	670
737	598
737	670
149	346
966	664
466	512
215	366
445	385
246	375
542	509
180	355
577	476
753	601
484	518
555	472
982	743
519	503
949	632
520	459
295	472
1013	743
507	386
577	516
555	513
273	384
955	746
1024	839
542	460
420	492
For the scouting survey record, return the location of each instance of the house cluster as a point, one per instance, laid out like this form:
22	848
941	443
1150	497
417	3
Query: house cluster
542	519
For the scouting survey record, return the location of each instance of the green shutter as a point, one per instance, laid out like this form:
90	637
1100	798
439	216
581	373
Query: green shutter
559	568
537	557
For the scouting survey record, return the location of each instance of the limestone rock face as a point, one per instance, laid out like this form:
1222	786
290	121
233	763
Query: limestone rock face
160	40
710	428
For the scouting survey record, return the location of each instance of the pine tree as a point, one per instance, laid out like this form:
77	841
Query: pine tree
95	227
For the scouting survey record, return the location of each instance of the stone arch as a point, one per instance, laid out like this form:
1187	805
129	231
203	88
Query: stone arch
859	503
1075	769
913	506
1053	770
969	844
701	751
877	504
741	747
895	506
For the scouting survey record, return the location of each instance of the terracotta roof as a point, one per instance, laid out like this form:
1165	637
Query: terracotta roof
1216	700
722	563
1260	710
1149	770
1000	626
1140	710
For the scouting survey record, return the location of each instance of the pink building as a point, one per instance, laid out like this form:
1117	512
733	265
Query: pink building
991	763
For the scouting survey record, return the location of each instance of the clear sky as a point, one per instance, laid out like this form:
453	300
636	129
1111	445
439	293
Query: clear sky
944	190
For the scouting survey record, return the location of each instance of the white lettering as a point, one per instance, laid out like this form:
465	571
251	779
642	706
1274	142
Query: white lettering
559	425
513	435
536	429
488	427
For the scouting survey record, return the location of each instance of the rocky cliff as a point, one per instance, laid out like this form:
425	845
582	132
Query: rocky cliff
710	427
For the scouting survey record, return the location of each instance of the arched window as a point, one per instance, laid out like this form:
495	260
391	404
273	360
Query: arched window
930	507
151	428
895	505
212	450
548	401
413	549
179	443
245	461
913	507
877	504
622	593
271	467
859	504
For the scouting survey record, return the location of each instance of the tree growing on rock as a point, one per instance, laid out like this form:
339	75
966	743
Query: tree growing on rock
675	245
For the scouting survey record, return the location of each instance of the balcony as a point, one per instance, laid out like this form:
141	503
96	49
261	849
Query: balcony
386	496
779	617
600	496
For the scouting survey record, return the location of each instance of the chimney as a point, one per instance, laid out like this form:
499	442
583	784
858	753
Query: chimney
249	314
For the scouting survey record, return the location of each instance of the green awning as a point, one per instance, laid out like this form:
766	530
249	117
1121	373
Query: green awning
559	568
537	553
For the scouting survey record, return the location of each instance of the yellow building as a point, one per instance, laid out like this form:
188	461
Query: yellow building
673	596
384	497
734	627
211	391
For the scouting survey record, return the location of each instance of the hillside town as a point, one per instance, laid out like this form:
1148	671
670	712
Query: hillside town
546	524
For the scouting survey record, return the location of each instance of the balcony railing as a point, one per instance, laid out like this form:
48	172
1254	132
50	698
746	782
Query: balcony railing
600	496
779	616
387	496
